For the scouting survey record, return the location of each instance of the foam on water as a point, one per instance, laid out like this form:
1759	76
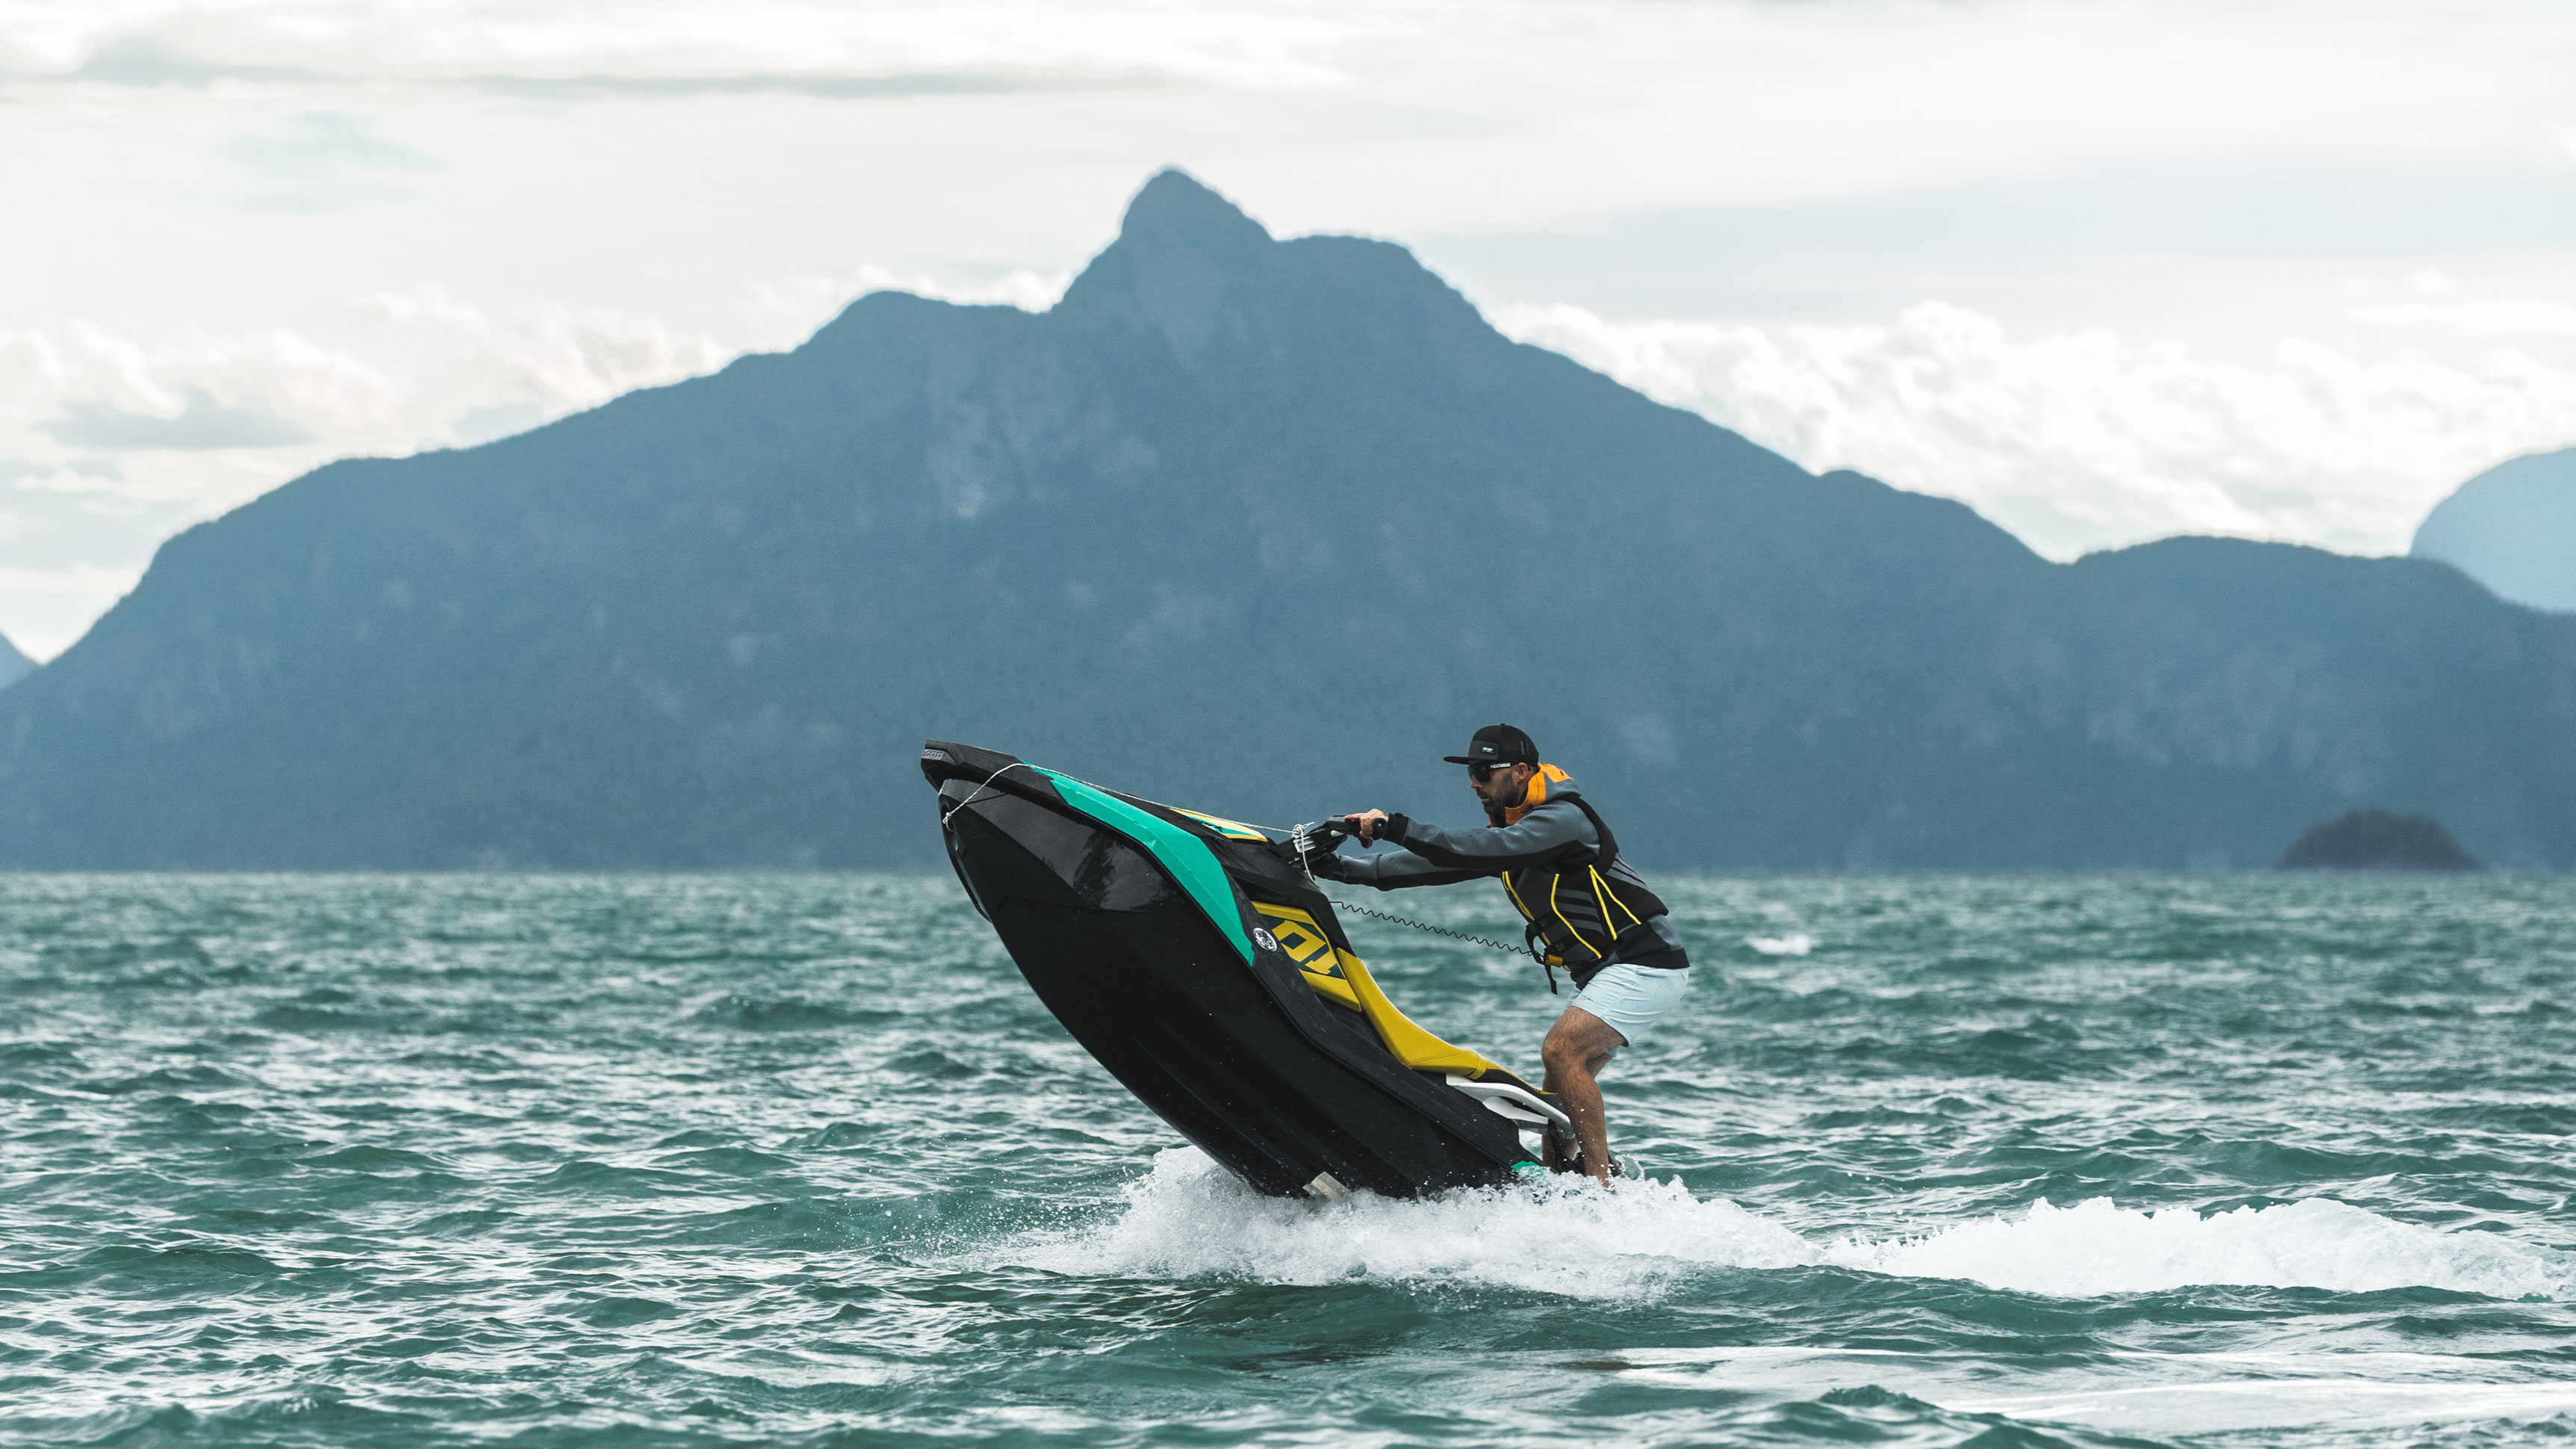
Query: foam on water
2096	1247
2133	1391
2261	1403
1563	1235
1795	943
1191	1217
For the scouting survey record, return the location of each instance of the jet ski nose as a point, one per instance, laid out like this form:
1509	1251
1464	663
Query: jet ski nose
1044	855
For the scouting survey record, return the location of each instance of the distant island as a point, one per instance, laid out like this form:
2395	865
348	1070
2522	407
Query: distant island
2378	840
14	666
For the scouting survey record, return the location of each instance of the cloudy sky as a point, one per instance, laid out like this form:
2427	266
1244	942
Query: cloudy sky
2106	269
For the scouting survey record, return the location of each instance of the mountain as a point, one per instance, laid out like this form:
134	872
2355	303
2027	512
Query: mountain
14	666
1264	527
2513	529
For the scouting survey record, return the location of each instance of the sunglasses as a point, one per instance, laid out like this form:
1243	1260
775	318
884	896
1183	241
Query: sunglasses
1483	773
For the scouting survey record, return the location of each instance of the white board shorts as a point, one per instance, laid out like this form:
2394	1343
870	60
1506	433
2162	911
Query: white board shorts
1630	996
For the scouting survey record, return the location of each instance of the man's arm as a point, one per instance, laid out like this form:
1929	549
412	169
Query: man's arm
1539	837
1431	855
1394	869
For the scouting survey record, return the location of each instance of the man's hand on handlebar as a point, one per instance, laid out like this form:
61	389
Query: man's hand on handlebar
1365	825
1314	847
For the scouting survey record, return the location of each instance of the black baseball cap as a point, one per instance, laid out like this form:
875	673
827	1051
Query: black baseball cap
1497	744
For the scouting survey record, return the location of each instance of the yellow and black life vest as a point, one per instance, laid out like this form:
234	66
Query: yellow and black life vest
1577	906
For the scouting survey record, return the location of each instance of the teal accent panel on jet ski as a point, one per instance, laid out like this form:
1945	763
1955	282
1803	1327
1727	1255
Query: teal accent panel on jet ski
1187	856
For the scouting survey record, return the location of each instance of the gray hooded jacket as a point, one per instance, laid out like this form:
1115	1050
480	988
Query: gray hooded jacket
1434	855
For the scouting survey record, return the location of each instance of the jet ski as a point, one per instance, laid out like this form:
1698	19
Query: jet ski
1196	959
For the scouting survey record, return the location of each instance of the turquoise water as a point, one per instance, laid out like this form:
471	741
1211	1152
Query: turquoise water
728	1160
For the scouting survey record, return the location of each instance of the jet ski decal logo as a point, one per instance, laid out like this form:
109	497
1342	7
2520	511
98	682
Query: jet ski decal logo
1304	943
1298	937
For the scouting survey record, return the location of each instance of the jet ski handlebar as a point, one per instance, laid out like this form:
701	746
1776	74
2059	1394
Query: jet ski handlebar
1315	841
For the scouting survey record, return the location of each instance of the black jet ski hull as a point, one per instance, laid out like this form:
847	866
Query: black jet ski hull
1118	914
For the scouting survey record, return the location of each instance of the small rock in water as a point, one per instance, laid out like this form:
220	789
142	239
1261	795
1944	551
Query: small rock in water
2378	840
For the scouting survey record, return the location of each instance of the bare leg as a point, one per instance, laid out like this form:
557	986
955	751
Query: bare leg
1575	1050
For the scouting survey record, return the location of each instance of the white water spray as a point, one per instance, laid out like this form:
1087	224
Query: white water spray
1563	1235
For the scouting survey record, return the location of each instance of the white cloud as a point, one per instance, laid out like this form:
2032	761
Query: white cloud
2086	440
269	373
529	48
318	161
2479	319
460	358
798	305
110	442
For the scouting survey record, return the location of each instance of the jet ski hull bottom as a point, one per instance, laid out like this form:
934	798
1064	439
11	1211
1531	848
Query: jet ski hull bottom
1210	1054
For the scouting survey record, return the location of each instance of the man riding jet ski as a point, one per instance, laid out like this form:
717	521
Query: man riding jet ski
1587	910
1195	958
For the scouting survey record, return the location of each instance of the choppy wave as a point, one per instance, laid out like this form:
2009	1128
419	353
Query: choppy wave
753	1013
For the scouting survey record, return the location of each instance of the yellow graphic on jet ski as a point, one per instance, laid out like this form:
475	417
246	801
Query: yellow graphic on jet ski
1296	934
1342	977
1230	829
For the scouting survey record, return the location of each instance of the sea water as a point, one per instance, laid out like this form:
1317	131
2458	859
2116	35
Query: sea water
679	1161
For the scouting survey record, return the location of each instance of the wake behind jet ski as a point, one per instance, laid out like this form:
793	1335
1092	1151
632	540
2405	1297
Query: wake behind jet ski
1195	959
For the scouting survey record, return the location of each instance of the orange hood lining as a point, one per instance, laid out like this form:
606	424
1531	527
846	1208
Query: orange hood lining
1536	795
